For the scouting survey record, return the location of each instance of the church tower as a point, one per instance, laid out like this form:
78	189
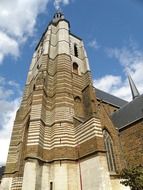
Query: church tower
57	140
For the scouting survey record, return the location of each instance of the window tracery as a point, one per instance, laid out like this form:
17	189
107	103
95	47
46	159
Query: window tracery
109	151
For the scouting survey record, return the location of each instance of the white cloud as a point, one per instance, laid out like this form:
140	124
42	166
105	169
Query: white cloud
17	22
17	18
131	59
108	82
7	119
8	108
114	85
57	3
8	45
94	44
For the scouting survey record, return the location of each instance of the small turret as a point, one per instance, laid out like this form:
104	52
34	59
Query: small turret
57	16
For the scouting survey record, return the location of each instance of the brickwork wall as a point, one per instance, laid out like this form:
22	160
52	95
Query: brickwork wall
131	139
104	111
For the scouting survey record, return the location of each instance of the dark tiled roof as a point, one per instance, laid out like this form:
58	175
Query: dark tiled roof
110	99
130	113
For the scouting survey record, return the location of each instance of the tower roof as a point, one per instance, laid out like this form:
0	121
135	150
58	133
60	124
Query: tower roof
129	113
57	17
134	90
110	99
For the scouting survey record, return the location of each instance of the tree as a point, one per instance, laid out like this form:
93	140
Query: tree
133	177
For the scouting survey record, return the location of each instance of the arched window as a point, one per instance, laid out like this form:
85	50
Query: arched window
75	67
77	99
109	151
38	66
78	107
51	185
75	50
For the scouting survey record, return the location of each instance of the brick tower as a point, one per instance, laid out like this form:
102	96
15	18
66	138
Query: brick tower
57	140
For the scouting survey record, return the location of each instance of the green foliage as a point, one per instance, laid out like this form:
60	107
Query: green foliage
133	177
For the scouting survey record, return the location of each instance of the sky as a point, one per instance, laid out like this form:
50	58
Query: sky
112	32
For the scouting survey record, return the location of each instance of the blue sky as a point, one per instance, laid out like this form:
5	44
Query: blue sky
112	33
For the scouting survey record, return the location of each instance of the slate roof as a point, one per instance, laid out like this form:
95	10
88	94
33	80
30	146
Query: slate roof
110	99
129	113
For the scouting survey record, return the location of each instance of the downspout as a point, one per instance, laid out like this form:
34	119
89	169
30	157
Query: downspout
79	166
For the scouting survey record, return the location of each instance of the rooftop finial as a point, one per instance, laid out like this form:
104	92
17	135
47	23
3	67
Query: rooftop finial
134	90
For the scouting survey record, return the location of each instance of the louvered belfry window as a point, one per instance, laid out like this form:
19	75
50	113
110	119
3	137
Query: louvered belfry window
75	50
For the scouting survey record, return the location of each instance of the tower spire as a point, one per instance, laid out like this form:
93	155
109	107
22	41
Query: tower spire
134	90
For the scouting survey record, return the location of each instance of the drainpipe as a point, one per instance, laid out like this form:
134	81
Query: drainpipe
79	165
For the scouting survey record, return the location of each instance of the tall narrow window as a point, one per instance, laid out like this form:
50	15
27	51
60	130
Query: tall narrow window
34	87
75	67
109	151
75	50
51	185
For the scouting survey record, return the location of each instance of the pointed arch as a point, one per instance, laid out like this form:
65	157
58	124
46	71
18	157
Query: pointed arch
75	67
109	151
78	107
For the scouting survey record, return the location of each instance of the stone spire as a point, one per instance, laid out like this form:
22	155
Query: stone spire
134	90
